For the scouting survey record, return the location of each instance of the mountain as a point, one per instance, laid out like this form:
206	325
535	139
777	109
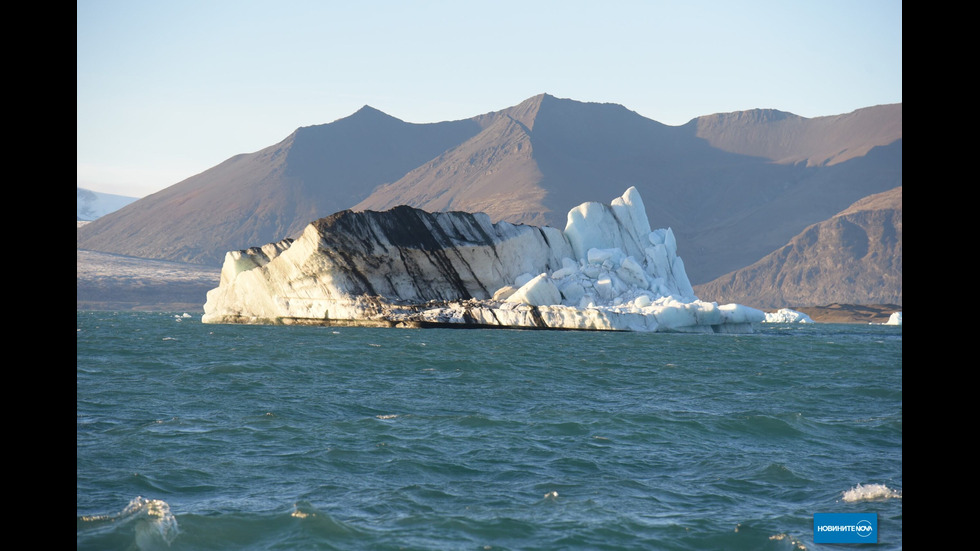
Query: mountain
733	187
855	257
273	193
729	202
94	204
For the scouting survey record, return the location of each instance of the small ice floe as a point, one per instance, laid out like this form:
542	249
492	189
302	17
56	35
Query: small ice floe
387	416
551	495
870	492
894	319
787	315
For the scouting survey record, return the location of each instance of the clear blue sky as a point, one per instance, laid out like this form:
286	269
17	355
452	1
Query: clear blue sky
168	89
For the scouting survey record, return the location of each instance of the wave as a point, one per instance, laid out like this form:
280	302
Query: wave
148	522
870	492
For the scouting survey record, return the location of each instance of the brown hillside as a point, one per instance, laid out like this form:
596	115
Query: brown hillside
852	258
257	198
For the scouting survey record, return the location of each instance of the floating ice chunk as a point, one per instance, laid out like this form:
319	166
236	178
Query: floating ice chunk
870	492
738	313
572	291
563	273
540	291
632	273
787	315
591	272
657	261
673	314
504	292
670	241
604	257
894	319
621	224
631	212
522	279
605	287
656	237
580	227
681	282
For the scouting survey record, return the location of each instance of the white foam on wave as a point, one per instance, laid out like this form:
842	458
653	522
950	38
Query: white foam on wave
796	544
158	524
870	492
303	509
155	526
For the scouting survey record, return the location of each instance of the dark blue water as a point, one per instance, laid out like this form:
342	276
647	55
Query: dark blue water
193	436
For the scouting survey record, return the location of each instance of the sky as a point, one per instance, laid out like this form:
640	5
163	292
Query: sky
167	90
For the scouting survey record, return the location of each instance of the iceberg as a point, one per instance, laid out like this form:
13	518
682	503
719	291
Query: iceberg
787	315
405	267
894	319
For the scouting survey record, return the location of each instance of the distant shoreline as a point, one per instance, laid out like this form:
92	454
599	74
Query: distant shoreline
849	313
156	301
119	283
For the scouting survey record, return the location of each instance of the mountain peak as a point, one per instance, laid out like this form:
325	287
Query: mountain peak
529	111
368	113
365	114
368	110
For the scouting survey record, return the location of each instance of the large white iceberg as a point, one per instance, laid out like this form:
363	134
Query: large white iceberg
405	267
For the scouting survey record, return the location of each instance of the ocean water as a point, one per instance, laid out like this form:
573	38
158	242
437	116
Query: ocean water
199	437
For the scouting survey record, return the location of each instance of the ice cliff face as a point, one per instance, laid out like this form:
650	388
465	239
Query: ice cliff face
406	267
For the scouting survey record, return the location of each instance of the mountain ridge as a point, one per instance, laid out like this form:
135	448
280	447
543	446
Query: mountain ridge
852	138
729	203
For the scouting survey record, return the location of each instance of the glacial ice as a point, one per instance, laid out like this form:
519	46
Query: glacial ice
787	315
606	271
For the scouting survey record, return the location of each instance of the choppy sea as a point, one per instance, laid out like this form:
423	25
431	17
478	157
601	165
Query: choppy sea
207	437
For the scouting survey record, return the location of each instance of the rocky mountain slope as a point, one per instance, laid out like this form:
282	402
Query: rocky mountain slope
855	254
